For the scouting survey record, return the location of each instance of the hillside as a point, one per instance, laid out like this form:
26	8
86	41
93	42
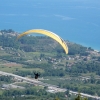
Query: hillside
78	71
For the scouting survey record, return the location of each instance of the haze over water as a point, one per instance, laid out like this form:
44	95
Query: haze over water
74	20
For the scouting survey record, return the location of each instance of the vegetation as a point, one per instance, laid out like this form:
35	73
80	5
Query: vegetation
80	98
6	79
77	71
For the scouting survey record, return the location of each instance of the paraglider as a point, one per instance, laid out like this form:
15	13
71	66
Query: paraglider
48	33
36	75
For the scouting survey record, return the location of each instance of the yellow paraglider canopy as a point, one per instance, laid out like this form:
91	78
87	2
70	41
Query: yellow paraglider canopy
48	33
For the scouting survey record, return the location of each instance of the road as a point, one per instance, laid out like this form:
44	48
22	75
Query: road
53	87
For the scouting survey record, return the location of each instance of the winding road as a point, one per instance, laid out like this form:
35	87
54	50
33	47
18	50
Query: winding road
53	87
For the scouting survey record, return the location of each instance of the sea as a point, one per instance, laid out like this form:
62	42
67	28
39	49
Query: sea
77	21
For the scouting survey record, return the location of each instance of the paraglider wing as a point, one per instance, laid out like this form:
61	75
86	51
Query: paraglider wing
48	33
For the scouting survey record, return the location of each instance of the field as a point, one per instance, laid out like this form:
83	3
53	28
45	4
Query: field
13	67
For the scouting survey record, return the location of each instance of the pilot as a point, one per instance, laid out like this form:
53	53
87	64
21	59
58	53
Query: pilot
36	75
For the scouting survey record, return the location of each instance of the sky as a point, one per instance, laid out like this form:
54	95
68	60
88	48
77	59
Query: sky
74	20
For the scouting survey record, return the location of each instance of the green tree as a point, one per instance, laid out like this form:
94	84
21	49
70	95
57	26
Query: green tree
56	98
78	97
